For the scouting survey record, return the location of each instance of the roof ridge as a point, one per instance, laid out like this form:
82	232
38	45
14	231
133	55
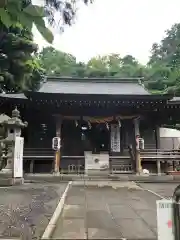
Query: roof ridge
94	79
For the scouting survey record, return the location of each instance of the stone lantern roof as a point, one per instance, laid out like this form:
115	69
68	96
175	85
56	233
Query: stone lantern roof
3	117
16	113
15	120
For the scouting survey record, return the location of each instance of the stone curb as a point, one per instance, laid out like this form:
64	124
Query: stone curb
52	223
122	178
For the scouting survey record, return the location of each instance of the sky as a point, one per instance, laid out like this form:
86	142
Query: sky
116	26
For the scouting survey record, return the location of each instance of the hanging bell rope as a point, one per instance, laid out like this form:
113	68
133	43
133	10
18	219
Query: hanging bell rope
76	123
89	125
107	125
119	122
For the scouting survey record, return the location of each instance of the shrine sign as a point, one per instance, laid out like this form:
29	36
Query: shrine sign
18	157
115	138
165	219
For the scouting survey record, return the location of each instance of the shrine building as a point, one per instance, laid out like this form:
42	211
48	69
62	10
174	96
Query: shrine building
97	118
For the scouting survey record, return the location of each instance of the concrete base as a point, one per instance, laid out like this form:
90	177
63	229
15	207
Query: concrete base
99	173
6	182
56	173
17	181
9	181
5	175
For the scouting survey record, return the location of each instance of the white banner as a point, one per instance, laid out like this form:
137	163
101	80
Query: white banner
115	138
18	157
164	220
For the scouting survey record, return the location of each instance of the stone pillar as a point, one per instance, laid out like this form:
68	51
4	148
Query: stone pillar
57	162
137	150
157	134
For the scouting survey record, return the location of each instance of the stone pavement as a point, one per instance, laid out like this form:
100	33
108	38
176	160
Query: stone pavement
107	212
26	210
163	189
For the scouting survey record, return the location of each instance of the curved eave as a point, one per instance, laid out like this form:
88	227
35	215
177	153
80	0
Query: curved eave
174	101
14	96
61	96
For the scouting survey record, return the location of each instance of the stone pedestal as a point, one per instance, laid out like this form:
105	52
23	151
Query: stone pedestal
8	169
17	181
13	127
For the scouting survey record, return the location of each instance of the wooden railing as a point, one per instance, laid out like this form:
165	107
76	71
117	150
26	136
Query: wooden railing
70	165
118	164
169	159
160	154
38	153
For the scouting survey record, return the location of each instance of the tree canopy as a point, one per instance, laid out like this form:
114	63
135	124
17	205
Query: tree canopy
26	13
22	67
18	68
164	63
161	74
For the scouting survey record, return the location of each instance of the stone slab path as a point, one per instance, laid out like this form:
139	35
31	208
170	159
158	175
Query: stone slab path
107	212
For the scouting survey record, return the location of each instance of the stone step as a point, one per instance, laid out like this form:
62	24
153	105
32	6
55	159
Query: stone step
112	177
5	175
5	182
9	238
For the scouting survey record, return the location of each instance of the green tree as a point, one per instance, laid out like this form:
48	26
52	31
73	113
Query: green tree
164	63
18	68
26	13
115	66
56	62
161	74
157	78
97	67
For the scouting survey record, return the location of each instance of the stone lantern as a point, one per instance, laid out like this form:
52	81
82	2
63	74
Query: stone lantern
13	128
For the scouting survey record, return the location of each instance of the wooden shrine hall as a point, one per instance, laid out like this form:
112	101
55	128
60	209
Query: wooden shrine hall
97	119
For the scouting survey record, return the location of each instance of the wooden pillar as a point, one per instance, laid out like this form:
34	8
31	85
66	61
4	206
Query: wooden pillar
157	135
137	151
57	157
31	166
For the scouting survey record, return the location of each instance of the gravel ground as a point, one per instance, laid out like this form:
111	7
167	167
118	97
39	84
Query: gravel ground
26	210
163	189
105	212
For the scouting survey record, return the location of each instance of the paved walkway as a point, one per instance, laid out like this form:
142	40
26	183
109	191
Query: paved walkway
26	210
165	190
107	212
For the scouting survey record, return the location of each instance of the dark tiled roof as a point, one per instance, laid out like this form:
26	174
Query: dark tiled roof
104	86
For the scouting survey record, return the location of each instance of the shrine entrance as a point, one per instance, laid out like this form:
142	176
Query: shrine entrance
96	138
